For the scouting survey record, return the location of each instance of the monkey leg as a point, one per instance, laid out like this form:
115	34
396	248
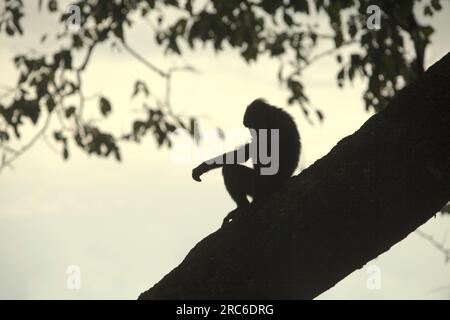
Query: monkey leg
265	185
239	184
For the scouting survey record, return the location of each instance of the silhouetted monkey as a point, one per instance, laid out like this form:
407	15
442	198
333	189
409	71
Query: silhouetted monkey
283	145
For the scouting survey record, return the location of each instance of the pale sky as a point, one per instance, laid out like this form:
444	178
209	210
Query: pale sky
128	224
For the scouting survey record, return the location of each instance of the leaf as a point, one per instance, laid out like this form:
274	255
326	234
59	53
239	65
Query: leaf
305	111
300	5
221	134
29	108
70	111
9	30
288	19
270	6
50	103
297	92
340	78
117	154
170	127
180	26
58	135
151	4
355	59
427	31
313	36
4	136
77	42
427	11
159	135
188	6
352	30
63	57
105	106
140	86
436	5
194	130
192	126
338	39
52	5
173	3
118	32
320	115
139	129
65	152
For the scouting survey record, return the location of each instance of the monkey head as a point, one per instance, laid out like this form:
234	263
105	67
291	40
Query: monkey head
258	115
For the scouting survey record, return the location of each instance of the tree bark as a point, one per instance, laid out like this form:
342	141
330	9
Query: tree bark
368	193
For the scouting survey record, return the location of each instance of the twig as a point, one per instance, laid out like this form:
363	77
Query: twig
80	69
438	245
86	59
325	53
167	75
8	149
8	161
61	120
143	60
49	145
150	24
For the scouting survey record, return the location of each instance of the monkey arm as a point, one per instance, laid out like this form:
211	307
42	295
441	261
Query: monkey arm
240	155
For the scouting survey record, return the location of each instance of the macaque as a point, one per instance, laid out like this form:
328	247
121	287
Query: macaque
274	149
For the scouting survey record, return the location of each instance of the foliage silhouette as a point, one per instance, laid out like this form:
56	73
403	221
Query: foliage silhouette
285	30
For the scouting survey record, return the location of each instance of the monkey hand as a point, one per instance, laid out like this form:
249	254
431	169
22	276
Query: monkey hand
198	171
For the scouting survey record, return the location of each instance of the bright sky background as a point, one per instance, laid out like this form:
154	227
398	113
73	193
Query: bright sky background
128	224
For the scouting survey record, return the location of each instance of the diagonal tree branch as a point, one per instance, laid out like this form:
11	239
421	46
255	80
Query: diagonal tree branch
368	193
147	63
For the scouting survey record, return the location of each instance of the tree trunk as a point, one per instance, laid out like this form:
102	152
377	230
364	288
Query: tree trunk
369	192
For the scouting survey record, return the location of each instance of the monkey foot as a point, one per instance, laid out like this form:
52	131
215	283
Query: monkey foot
232	216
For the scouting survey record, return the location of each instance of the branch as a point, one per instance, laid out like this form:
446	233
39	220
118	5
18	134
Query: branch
8	148
325	53
438	245
50	145
79	71
369	192
83	66
167	75
6	162
143	60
